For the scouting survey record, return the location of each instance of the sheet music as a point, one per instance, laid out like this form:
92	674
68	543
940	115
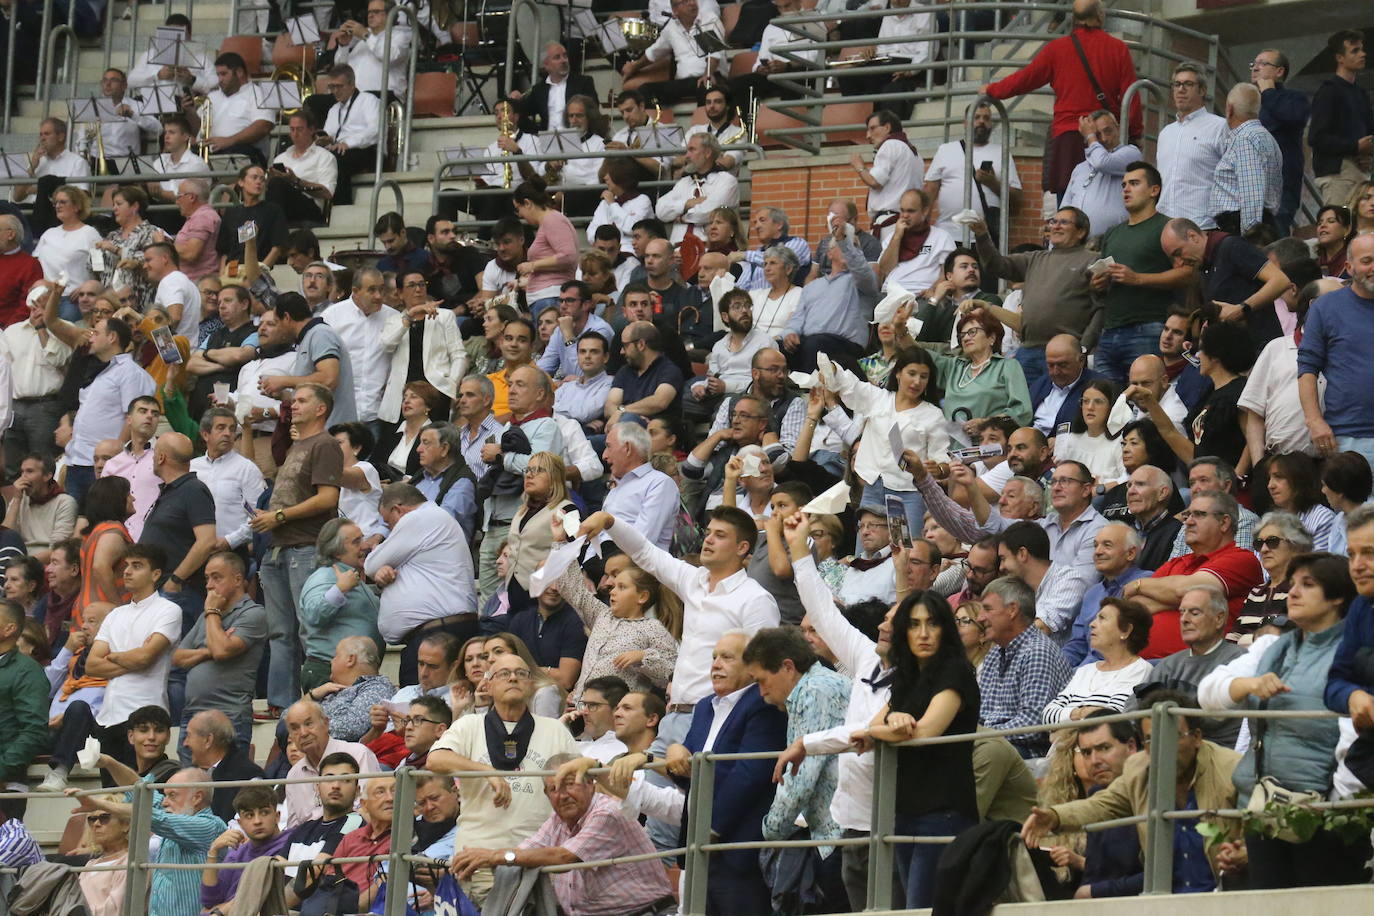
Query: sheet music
160	99
176	51
612	39
14	165
304	30
555	142
584	24
92	108
277	95
462	155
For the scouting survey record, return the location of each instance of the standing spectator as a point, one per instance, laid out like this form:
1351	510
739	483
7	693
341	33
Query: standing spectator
38	358
218	358
1342	129
944	178
432	351
1283	112
105	399
835	310
65	248
552	258
19	271
1190	147
370	334
40	511
222	649
136	460
1248	183
1024	669
425	570
321	359
108	506
175	292
124	245
1057	297
1087	69
307	727
444	477
897	167
195	240
1095	185
235	482
544	492
1336	324
306	494
23	698
335	603
182	523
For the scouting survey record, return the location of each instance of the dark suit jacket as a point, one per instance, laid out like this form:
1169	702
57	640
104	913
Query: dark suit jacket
743	788
236	765
1069	409
534	107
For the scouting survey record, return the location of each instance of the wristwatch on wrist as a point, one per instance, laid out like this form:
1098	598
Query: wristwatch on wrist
280	516
508	856
176	580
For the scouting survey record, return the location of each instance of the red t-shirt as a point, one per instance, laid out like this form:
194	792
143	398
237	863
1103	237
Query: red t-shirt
1237	569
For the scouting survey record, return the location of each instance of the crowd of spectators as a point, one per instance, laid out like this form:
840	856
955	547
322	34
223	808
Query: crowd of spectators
620	501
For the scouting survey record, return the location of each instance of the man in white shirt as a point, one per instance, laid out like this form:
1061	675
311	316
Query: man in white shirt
175	291
1095	185
371	332
899	41
705	187
118	139
133	649
176	157
600	697
303	176
639	132
643	496
870	573
1189	148
896	168
944	181
351	127
239	125
584	175
234	481
914	256
38	362
147	74
693	68
757	85
362	47
52	160
1148	382
729	367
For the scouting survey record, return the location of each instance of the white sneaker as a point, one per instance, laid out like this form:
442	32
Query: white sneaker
55	781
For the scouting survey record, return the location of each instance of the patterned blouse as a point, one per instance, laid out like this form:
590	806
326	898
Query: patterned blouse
610	635
817	702
832	574
877	367
131	249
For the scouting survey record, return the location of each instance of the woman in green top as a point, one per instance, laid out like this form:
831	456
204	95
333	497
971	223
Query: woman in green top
977	380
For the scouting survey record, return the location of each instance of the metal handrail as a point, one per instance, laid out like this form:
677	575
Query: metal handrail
409	102
1004	211
372	210
515	9
70	51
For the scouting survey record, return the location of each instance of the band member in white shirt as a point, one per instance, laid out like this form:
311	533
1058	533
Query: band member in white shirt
118	139
494	206
176	157
53	165
705	187
148	74
639	132
351	130
896	167
239	125
302	178
756	85
583	116
361	47
723	121
693	68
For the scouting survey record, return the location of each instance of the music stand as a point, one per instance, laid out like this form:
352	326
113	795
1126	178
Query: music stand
462	155
15	165
583	25
160	99
304	30
709	42
560	143
92	109
611	37
665	136
277	95
170	48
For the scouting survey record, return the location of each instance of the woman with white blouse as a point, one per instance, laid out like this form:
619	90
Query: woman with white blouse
66	247
360	486
1088	441
908	401
774	303
1119	633
622	203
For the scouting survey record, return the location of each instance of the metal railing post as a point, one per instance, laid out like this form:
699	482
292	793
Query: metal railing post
386	85
136	873
372	209
698	808
402	829
9	67
43	32
47	76
882	823
1129	95
1004	211
133	40
1160	789
108	40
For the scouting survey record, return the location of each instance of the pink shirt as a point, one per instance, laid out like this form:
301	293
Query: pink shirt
556	238
143	481
202	224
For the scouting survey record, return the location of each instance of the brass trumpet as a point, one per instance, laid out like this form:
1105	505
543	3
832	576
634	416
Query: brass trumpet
506	126
205	110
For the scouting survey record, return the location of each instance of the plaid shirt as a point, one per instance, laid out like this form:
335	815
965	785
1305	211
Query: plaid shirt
186	839
1249	177
1017	681
603	833
817	702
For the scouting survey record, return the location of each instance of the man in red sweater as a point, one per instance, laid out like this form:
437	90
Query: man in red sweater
19	271
1060	65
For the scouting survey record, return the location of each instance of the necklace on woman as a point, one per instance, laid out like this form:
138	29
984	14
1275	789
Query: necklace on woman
972	371
767	299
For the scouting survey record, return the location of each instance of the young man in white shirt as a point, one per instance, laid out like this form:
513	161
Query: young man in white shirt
239	125
133	649
176	157
351	129
370	332
303	176
693	68
175	291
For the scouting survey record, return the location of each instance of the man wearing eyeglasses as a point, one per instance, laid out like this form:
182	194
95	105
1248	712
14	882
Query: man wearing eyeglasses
362	46
499	812
434	661
575	318
596	709
426	723
1209	527
1283	112
1058	393
1190	147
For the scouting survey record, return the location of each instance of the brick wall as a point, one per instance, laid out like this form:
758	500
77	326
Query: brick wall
806	189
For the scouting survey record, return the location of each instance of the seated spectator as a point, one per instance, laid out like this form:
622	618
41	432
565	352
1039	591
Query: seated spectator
429	718
730	363
585	826
916	251
582	395
646	498
421	406
1150	499
40	510
195	240
834	311
23	583
998	388
498	810
254	207
23	699
209	742
63	576
594	713
574	318
1300	754
377	804
307	727
1118	633
108	844
1057	396
622	203
354	687
938	306
648	384
257	834
870	572
1023	671
1281	536
1215	560
444	476
1175	343
688	205
1295	487
1116	548
1110	865
1086	438
320	836
554	633
1210	475
1346	484
436	824
1059	585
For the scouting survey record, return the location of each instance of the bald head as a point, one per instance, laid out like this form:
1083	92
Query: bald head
174	449
1088	12
1064	359
1148	372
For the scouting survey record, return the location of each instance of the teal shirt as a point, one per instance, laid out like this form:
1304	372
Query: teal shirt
999	389
324	623
186	839
817	702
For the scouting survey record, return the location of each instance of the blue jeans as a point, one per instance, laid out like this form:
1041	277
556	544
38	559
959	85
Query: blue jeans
1119	347
916	861
875	495
192	604
1032	360
282	575
1362	444
78	480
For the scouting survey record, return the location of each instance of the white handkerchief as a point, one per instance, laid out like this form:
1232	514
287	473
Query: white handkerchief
805	380
1121	414
559	559
88	758
720	286
825	370
894	441
913	327
753	466
1101	265
831	502
964	217
570	521
63	279
896	296
39	293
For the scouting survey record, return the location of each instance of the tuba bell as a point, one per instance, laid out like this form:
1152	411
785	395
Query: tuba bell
298	74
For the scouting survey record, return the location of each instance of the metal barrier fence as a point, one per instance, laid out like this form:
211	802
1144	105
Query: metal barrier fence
1158	818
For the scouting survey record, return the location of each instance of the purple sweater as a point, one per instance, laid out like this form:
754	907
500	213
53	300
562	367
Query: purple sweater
229	880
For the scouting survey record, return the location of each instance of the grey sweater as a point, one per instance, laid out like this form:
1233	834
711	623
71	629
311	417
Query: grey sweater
1184	671
1056	298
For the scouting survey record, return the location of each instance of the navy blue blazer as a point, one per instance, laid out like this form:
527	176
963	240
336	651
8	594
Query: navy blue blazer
1069	409
743	788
